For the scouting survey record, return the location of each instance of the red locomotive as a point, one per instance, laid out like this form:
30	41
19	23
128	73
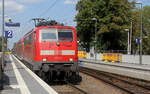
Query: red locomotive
51	51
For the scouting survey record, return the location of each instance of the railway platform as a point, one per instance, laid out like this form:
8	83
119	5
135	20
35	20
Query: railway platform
18	79
136	71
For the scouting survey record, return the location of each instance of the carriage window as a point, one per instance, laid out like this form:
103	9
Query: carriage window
65	35
48	35
28	39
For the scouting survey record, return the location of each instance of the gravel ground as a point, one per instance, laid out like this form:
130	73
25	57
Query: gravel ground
64	89
94	86
90	85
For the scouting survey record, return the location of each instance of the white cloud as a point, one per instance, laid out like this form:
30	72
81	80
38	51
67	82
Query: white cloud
69	2
12	7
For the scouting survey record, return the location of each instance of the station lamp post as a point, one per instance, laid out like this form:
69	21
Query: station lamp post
129	48
2	43
129	42
94	19
141	36
141	33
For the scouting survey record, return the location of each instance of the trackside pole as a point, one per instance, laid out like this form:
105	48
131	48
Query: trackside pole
2	43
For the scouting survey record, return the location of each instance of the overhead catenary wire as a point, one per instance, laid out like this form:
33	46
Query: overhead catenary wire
49	8
45	12
40	18
64	19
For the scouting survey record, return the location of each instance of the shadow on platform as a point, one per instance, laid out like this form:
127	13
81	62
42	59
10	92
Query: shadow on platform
5	80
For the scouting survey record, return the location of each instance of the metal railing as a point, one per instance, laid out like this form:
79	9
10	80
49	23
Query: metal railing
112	51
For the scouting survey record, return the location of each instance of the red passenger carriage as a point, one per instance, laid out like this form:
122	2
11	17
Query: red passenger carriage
19	48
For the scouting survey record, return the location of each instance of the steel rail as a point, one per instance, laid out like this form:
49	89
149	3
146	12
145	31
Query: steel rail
79	89
109	79
129	67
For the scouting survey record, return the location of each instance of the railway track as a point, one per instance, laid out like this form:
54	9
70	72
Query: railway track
76	87
66	87
132	86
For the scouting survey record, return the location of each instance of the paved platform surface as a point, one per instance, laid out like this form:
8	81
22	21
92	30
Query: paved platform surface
127	69
124	64
18	79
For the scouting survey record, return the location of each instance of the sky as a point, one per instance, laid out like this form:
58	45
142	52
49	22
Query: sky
23	11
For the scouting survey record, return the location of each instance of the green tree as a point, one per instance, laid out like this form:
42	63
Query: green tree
112	18
85	25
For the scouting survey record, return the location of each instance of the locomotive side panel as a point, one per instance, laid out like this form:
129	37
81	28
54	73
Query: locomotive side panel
29	48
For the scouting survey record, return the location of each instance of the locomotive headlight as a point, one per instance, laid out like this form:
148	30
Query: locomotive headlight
71	59
44	59
58	44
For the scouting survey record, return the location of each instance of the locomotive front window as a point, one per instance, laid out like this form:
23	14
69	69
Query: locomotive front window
65	35
48	35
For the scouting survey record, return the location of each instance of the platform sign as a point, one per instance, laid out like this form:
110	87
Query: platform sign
9	34
138	41
12	24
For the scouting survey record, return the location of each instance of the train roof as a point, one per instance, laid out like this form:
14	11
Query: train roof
54	26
